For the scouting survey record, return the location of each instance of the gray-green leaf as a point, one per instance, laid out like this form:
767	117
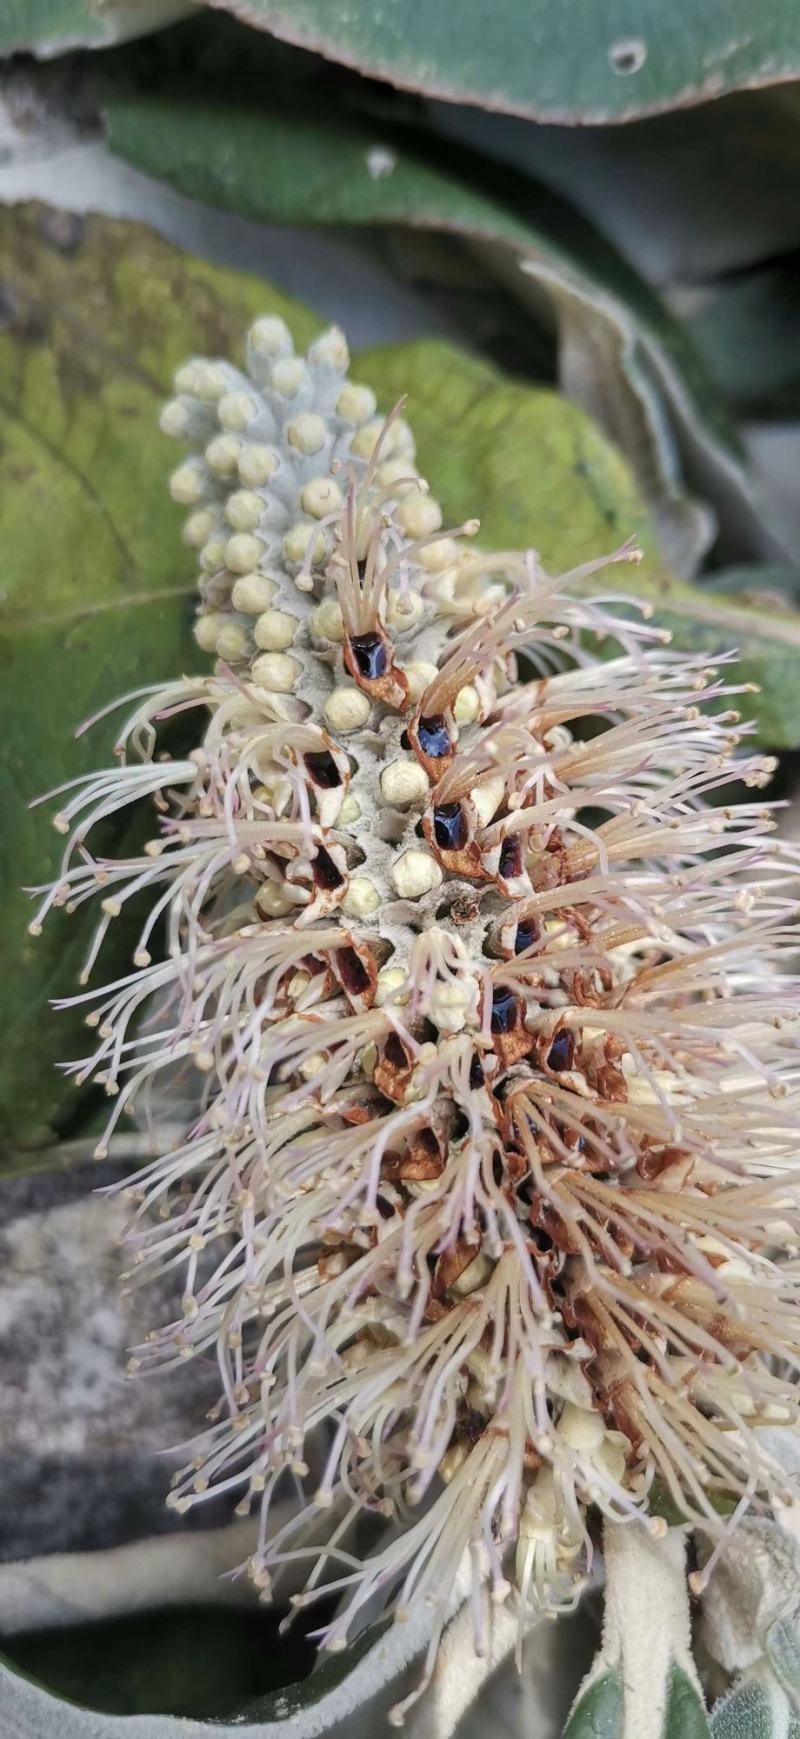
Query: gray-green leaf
98	586
745	1713
685	1717
782	1647
587	60
622	355
48	27
598	1713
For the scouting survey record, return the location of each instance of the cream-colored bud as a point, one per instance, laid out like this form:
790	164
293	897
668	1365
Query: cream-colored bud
330	350
390	984
581	1428
243	552
207	629
453	1460
398	441
257	464
404	610
489	599
298	983
277	672
442	554
320	497
365	441
243	510
237	410
400	474
362	897
347	709
415	872
441	590
210	381
271	901
454	1006
298	538
175	418
190	483
467	705
222	454
199	527
350	810
472	1277
288	376
213	555
486	798
307	433
418	514
275	630
355	403
233	642
404	782
186	378
419	676
312	1066
270	336
253	593
326	621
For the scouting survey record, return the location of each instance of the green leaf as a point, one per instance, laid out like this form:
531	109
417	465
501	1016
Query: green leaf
97	584
533	466
195	1661
586	60
685	1716
745	1713
748	329
476	435
621	353
598	1713
767	642
48	27
196	1665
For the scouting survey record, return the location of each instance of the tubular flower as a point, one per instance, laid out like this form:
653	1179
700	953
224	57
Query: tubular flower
486	1186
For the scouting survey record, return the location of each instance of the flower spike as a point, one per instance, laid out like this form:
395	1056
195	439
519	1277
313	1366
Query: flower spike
487	1200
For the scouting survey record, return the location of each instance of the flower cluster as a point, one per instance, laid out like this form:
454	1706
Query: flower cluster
486	1190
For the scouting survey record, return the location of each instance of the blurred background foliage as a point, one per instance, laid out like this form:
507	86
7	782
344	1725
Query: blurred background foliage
570	232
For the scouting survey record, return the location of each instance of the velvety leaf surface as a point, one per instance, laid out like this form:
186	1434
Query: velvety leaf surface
745	1713
96	583
583	60
622	355
48	27
599	1712
685	1717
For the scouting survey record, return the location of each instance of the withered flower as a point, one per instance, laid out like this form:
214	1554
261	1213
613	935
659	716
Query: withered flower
488	1185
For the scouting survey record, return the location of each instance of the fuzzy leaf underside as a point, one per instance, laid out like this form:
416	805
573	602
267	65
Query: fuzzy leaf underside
685	1716
599	1711
744	1713
584	60
621	352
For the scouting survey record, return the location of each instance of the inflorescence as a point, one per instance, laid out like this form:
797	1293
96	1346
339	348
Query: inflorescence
486	1190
